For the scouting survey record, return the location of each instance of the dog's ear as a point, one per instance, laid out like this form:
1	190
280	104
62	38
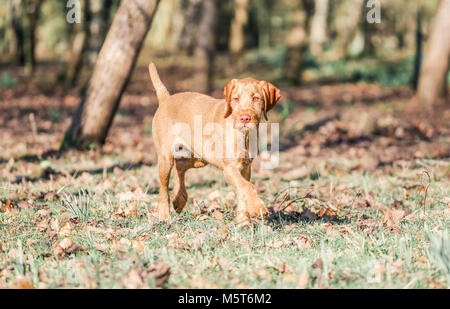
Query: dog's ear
271	96
227	93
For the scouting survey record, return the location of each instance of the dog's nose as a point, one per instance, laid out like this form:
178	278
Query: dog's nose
244	118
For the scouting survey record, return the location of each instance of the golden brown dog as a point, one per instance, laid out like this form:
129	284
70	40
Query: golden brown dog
192	130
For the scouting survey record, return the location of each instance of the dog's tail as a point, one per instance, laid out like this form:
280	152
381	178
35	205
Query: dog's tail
161	90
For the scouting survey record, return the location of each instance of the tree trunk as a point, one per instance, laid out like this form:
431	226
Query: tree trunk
433	74
296	43
19	33
33	10
98	20
75	59
178	22
78	47
160	33
237	36
204	51
368	33
348	18
263	8
190	26
318	34
113	68
419	54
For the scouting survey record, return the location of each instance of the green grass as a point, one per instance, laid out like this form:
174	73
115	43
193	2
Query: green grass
265	256
359	184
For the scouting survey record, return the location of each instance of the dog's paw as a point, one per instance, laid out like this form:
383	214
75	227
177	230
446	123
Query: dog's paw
256	209
179	202
163	211
242	220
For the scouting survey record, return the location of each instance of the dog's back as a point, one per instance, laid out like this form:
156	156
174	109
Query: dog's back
181	111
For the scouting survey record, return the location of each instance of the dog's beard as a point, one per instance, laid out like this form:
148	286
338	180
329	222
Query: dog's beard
246	128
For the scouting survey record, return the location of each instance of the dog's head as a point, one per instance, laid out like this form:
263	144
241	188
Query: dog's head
248	100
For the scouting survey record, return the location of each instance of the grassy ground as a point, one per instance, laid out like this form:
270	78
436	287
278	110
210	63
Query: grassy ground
361	199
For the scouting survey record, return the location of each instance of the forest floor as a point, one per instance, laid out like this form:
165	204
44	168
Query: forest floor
360	199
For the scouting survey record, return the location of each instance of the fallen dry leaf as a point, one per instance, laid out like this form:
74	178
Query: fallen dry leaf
218	216
138	245
50	196
100	247
21	282
7	208
65	230
396	267
303	243
422	260
27	204
122	245
303	280
43	213
160	272
318	264
66	243
89	282
368	225
136	277
397	204
176	242
392	218
379	270
129	211
133	279
54	224
136	195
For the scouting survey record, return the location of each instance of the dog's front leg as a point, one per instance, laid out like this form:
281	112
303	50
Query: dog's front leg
249	203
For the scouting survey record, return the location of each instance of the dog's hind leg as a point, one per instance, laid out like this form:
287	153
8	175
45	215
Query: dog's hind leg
165	165
247	172
180	196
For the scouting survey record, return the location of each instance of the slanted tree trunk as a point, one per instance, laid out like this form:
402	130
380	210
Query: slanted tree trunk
19	33
237	37
433	74
296	43
318	34
113	68
204	51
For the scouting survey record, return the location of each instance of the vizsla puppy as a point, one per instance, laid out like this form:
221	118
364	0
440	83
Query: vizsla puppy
187	125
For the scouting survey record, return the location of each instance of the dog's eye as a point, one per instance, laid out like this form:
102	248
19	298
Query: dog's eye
256	99
236	100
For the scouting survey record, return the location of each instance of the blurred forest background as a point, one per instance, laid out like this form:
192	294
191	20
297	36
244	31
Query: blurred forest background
200	45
